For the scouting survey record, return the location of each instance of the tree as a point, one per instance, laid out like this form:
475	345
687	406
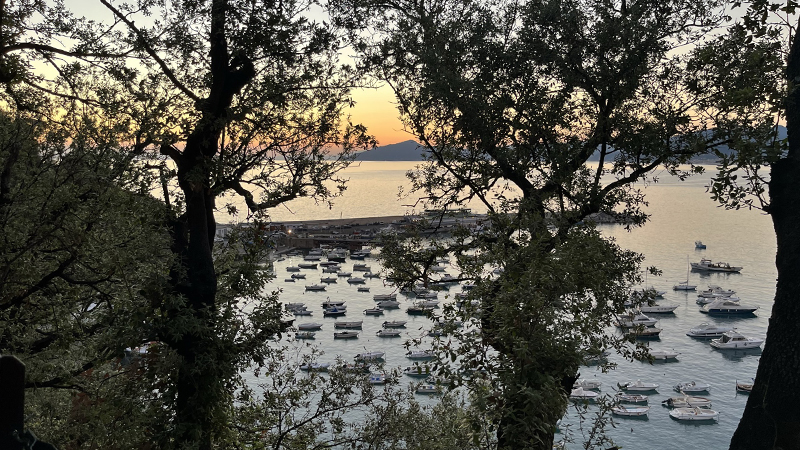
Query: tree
756	66
515	101
243	98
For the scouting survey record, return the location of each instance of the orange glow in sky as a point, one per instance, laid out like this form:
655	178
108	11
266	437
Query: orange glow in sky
376	109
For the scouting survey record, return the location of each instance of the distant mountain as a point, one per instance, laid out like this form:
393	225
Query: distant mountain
402	151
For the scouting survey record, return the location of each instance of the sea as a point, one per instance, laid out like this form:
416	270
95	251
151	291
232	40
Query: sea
681	212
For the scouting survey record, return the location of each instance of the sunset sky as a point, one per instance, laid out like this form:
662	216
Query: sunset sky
376	109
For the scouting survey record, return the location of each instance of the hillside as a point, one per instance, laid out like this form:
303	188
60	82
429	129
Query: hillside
402	151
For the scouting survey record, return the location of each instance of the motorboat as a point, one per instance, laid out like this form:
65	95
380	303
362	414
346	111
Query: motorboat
361	268
658	309
344	274
348	324
328	280
370	356
329	263
735	340
716	290
692	387
418	371
706	265
298	276
371	275
664	354
381	297
307	265
363	289
394	324
745	388
320	367
418	310
356	280
331	269
377	378
708	330
373	311
687	402
693	414
301	312
427	294
684	286
727	307
446	278
582	394
334	311
635	319
292	269
428	389
389	304
587	384
699	245
631	411
315	287
387	333
330	303
644	333
304	335
309	326
294	306
345	334
704	300
638	385
623	397
427	303
421	355
290	280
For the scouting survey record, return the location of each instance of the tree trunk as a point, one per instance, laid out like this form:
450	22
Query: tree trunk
771	418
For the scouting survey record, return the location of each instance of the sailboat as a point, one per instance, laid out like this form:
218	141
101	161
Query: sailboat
684	285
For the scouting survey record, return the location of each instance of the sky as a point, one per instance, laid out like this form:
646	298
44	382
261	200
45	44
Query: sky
376	109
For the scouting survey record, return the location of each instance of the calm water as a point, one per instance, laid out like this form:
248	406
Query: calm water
681	213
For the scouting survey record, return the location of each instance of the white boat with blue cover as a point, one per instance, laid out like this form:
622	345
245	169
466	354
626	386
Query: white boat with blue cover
694	414
733	340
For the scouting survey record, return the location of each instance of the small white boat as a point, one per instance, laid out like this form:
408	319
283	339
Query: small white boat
699	245
691	387
356	280
381	297
638	386
363	289
693	414
707	330
704	300
321	367
370	356
304	265
331	303
634	319
663	354
345	335
361	268
705	265
723	307
622	397
387	333
428	389
309	326
687	402
684	286
301	312
620	410
735	340
428	294
344	274
389	304
298	276
745	388
331	269
294	306
427	303
374	311
394	324
315	287
418	371
587	384
421	355
377	378
328	280
658	309
582	394
348	323
644	333
334	311
716	290
304	335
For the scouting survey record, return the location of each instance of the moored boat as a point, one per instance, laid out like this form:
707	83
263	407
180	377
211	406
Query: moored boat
664	354
348	324
370	356
735	340
707	330
373	311
394	324
421	355
331	303
622	397
630	411
706	265
691	387
687	402
304	335
389	304
744	388
321	367
582	394
638	386
309	326
387	333
644	333
381	297
377	378
334	311
587	384
356	280
693	414
726	307
428	389
635	319
418	371
345	334
658	309
363	289
306	265
315	287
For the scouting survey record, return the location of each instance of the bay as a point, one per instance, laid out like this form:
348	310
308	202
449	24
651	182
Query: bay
680	213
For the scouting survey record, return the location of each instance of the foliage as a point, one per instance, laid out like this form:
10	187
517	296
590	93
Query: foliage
542	113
